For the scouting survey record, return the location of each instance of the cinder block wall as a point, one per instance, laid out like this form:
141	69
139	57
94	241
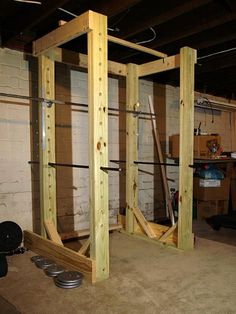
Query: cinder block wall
19	182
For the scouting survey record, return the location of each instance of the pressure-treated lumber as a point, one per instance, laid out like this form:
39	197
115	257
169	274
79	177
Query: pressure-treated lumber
143	222
161	160
158	66
168	233
52	232
85	232
129	44
132	101
84	247
98	148
60	254
188	58
74	28
159	231
47	141
81	60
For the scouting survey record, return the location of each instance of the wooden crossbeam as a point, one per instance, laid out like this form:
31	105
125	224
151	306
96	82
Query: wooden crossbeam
85	232
168	233
143	222
159	231
52	232
129	44
84	247
60	254
81	60
74	28
157	66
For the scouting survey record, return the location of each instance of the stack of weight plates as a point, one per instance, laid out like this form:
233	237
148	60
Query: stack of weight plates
54	270
68	279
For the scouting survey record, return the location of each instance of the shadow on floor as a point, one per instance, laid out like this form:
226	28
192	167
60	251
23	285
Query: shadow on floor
203	230
7	307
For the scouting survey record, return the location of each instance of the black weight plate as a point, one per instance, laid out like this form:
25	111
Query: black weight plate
54	270
3	265
69	277
10	236
44	263
36	258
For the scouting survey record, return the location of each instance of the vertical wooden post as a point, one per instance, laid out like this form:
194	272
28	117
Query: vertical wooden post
98	144
187	61
132	96
47	141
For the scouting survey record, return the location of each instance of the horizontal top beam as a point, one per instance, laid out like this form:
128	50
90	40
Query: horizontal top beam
81	60
70	30
129	44
157	66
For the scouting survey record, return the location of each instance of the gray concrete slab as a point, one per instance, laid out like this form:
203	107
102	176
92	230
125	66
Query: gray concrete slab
145	278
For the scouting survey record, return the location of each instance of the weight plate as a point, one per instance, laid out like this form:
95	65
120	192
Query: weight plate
67	286
10	236
36	258
44	263
69	277
54	270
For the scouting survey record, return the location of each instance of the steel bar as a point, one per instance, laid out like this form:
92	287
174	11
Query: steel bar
81	166
67	165
110	169
151	163
49	102
54	164
155	163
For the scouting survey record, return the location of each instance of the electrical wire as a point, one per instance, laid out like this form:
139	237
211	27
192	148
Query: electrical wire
68	12
148	40
216	53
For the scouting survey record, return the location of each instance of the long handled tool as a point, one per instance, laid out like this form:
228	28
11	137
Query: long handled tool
163	171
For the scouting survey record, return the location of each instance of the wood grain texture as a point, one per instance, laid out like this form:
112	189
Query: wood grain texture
47	141
132	101
60	254
98	143
158	66
74	28
188	58
52	232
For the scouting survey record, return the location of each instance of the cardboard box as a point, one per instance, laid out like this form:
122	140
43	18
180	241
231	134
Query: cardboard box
207	209
211	193
200	148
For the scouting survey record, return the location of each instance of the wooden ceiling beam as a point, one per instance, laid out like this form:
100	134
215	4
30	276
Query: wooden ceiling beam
151	18
30	20
112	7
195	28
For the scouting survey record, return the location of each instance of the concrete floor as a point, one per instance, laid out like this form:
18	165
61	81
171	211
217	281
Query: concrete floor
145	278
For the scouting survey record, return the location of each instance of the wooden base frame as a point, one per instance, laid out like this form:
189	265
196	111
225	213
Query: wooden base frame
47	49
